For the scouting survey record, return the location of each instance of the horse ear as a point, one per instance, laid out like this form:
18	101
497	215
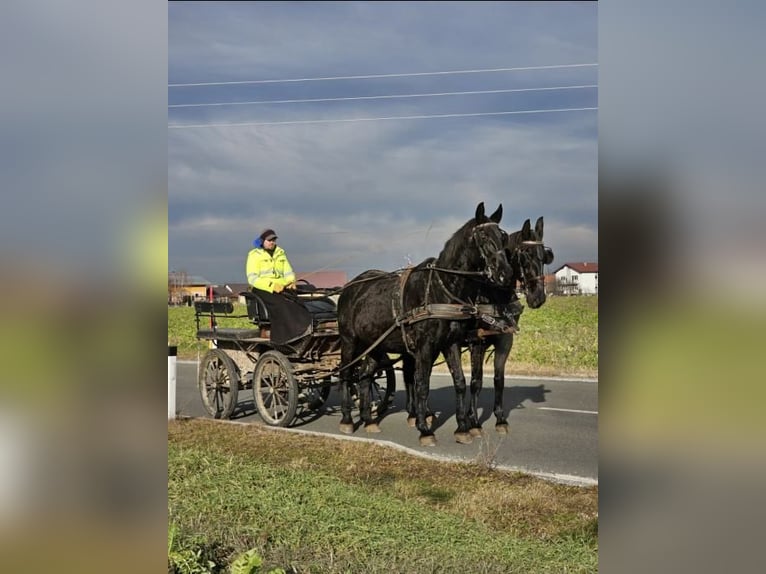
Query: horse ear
480	212
498	215
526	230
539	228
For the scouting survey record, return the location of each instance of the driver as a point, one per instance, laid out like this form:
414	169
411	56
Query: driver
267	267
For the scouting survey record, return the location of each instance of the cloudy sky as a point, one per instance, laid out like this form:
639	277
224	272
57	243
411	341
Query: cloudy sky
346	189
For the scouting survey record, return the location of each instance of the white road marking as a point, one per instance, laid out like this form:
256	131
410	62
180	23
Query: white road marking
550	476
568	410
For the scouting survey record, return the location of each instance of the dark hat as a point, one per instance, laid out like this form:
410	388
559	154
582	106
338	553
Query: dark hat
268	234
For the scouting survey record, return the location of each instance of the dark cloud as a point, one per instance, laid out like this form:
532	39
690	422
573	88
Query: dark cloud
376	193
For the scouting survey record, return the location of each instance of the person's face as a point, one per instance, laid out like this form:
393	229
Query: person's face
269	243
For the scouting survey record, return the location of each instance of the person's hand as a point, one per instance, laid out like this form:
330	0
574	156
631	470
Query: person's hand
278	287
291	286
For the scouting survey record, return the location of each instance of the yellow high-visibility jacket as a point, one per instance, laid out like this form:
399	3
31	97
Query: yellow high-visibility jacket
265	270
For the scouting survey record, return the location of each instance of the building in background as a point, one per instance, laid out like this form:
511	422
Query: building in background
324	279
577	279
183	288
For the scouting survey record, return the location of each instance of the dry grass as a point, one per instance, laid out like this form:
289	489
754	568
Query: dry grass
512	502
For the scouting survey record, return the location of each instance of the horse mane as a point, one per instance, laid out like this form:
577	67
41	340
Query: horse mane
454	247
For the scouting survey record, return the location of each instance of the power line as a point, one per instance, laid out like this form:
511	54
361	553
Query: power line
371	76
423	117
390	96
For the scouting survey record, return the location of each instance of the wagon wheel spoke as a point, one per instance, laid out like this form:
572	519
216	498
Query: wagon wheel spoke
274	389
218	384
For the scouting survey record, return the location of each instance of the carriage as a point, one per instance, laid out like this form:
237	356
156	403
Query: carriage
413	314
287	381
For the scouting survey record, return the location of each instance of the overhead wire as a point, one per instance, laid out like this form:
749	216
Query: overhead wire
380	97
371	76
386	96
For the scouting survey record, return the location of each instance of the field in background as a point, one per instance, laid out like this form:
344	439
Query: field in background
560	338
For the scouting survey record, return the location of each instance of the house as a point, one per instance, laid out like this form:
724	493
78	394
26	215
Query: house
324	279
184	288
230	292
577	279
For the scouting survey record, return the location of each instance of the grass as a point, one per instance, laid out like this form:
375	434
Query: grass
182	329
313	504
559	338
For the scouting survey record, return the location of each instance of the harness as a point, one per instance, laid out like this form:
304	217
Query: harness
457	311
493	316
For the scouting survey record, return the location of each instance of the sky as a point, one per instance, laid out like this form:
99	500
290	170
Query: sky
346	190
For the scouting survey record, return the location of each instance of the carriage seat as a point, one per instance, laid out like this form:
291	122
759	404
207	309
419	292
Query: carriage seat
256	309
322	309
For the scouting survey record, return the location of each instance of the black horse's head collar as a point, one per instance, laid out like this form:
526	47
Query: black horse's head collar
491	243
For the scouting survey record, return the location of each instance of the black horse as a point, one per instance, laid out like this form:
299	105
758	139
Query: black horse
410	313
500	309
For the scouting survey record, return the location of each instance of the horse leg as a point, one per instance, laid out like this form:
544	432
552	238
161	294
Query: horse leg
347	355
477	373
452	357
423	367
502	349
365	386
408	374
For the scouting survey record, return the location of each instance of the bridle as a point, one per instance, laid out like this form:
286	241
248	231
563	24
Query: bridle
487	255
522	255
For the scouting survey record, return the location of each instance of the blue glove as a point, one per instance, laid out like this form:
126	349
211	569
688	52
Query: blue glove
258	242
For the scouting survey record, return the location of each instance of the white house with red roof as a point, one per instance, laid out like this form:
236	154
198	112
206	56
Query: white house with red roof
577	278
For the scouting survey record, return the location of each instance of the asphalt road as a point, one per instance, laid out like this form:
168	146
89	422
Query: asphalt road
553	423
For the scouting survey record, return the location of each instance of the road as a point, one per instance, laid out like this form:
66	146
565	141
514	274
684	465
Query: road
553	423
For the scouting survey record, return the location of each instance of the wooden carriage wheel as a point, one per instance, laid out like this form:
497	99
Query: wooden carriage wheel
275	389
218	384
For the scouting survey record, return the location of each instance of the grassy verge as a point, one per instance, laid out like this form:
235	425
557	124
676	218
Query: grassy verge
311	504
559	338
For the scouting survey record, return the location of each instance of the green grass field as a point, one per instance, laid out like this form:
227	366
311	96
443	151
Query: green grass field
311	504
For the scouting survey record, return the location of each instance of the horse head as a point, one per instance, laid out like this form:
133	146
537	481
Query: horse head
490	241
528	256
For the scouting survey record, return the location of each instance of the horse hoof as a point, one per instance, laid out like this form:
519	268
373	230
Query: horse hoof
347	428
502	428
372	427
428	440
463	438
411	422
476	432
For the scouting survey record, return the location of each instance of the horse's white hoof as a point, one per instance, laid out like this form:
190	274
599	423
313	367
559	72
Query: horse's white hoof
428	440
